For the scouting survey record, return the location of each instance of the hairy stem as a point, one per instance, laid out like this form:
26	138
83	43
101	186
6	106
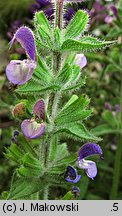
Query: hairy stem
59	14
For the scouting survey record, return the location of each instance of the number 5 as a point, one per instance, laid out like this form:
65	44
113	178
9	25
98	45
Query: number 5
115	207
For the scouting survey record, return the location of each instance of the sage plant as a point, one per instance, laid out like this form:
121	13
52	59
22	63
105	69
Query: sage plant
52	71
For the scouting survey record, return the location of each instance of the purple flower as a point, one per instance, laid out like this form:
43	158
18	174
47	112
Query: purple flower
19	72
109	19
69	14
108	106
25	37
117	108
81	60
87	150
39	109
75	191
114	10
44	5
71	175
31	129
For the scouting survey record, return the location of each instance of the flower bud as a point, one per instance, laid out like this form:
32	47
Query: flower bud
19	110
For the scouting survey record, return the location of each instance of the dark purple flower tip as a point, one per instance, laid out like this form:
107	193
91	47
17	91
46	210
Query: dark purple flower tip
43	2
89	166
69	13
16	133
98	7
48	12
31	129
71	175
39	109
89	149
114	10
25	37
75	191
108	106
81	60
117	108
19	72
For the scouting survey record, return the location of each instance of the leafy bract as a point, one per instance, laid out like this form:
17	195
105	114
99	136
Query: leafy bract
74	112
86	43
77	25
78	131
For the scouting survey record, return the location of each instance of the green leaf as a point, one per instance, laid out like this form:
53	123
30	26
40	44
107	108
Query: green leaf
23	187
43	30
78	131
42	72
74	112
68	196
76	71
57	152
31	162
77	25
25	145
61	152
71	100
34	87
70	58
57	38
79	84
59	167
14	153
110	118
85	44
71	159
41	19
105	129
28	172
65	74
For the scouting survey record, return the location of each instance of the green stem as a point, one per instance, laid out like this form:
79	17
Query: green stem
118	156
117	171
55	105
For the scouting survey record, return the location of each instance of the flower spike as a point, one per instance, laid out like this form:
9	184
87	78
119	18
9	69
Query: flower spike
25	37
90	166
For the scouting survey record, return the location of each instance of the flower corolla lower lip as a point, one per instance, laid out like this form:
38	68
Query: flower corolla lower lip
20	71
31	129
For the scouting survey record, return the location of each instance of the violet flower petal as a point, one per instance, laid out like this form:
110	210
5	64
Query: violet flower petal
25	37
19	72
108	106
114	10
31	129
89	149
39	109
71	175
117	108
78	177
81	60
89	166
109	19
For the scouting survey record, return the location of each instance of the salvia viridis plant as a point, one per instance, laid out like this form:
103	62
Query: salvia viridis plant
48	111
